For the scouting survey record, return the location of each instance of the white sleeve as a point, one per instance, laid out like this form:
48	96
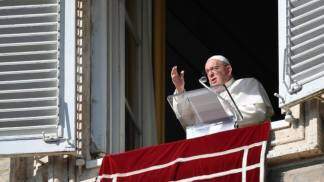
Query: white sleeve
253	102
252	114
182	109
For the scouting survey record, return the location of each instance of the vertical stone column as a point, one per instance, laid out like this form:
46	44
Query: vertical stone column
21	169
4	169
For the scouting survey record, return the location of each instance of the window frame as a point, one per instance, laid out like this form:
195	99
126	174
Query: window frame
108	87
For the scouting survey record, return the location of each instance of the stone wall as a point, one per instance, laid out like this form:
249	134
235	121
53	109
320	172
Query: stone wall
4	169
299	171
296	152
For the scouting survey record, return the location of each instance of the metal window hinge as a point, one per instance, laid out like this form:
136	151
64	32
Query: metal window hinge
51	138
294	88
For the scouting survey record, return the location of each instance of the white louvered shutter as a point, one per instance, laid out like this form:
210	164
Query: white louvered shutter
301	50
36	76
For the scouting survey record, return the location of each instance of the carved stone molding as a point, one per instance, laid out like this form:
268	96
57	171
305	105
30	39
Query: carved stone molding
303	139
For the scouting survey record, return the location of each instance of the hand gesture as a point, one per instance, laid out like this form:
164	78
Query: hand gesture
178	79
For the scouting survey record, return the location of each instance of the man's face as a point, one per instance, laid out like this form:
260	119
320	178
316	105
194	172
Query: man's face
217	72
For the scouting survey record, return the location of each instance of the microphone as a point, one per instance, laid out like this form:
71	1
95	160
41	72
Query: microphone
203	80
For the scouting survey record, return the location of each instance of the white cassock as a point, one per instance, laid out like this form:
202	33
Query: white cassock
251	99
248	94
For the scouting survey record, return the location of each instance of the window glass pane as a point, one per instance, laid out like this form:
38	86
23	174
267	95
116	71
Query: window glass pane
132	76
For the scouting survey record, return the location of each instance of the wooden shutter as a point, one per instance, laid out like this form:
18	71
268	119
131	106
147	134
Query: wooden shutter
33	79
301	50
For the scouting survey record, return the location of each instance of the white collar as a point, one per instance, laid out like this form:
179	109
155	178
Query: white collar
229	82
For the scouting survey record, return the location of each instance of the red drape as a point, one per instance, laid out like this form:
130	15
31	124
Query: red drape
235	155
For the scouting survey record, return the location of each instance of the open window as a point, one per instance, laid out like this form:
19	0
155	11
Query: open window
37	76
122	96
301	50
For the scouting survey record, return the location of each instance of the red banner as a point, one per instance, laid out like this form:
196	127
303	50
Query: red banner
235	155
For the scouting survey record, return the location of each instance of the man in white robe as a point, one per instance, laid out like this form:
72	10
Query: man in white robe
248	93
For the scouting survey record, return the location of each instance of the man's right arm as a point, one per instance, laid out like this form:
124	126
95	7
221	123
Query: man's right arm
178	80
180	104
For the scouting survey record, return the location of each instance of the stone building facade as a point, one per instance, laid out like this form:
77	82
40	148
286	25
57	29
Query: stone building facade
295	152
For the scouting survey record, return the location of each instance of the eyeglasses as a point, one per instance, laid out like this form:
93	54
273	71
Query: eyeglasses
213	69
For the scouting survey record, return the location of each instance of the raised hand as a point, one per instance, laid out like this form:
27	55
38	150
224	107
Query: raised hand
178	79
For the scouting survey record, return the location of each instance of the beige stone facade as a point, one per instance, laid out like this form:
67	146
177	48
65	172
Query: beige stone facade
4	169
296	152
